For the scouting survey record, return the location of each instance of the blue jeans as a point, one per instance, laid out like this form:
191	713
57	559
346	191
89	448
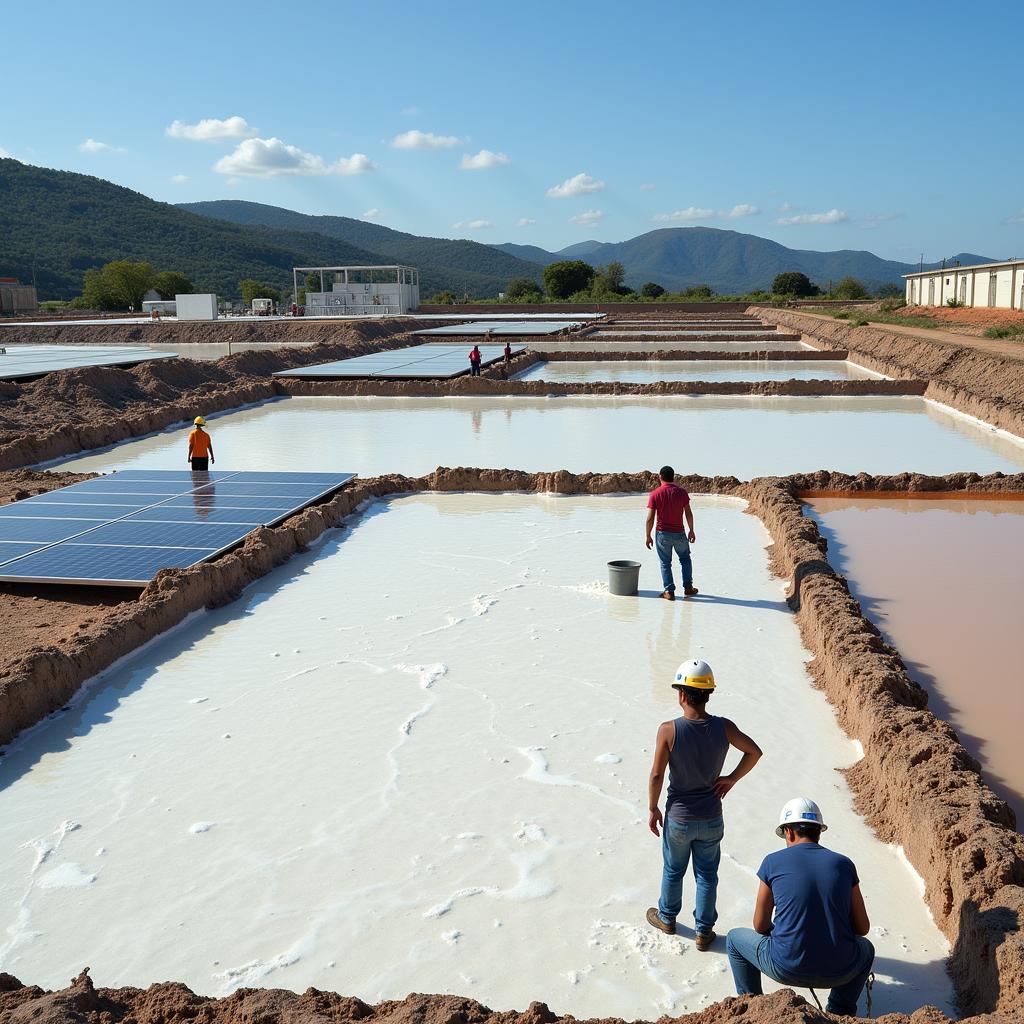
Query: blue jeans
678	840
665	543
750	957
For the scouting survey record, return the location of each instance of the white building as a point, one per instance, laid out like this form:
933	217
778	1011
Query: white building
994	285
348	291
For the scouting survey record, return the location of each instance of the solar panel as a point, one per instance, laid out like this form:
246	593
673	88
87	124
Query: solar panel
94	532
423	361
22	361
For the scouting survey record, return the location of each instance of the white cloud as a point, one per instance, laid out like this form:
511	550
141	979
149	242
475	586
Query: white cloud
525	222
416	139
92	146
270	158
212	129
588	218
473	225
785	207
410	111
828	217
872	220
4	155
371	214
1016	218
690	213
647	187
742	210
482	161
578	185
179	179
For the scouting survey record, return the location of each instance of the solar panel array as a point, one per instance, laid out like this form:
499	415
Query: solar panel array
517	327
119	530
403	363
21	361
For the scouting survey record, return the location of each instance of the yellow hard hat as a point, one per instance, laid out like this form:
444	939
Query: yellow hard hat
199	421
695	674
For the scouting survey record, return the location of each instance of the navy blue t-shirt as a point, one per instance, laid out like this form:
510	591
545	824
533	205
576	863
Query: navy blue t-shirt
811	934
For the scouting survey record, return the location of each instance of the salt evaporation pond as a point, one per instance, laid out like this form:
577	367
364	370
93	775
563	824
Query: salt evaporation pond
649	370
418	755
942	580
745	437
670	342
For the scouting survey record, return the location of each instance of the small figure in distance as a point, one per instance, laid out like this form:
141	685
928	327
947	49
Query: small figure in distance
816	939
200	447
474	361
669	503
693	747
508	352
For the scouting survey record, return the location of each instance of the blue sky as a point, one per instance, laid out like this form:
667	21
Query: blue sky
880	125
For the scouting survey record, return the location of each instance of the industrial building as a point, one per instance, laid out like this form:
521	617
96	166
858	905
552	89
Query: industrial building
16	297
359	291
991	285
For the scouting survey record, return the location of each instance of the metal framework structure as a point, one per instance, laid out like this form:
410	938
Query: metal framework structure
406	278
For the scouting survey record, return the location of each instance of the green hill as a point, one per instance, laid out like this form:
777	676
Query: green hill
54	225
730	261
483	270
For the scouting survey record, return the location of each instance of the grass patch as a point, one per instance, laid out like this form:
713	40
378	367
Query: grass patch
860	317
1005	331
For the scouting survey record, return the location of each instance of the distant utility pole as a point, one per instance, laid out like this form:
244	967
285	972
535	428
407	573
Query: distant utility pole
920	266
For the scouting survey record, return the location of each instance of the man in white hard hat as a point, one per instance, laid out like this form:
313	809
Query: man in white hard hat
693	747
816	939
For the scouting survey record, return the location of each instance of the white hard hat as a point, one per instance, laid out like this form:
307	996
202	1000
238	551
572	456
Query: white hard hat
800	811
694	673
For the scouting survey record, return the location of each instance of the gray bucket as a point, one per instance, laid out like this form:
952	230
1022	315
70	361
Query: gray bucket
623	578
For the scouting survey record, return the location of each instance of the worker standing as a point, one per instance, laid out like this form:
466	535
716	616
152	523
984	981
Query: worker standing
816	939
693	747
508	353
474	361
669	503
200	447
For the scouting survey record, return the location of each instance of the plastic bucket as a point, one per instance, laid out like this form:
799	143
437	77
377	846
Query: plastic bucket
623	578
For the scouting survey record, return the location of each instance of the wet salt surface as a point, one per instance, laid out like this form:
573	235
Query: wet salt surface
649	370
435	771
942	580
652	343
218	349
745	437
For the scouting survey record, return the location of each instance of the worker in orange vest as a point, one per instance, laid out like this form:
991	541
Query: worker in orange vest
200	447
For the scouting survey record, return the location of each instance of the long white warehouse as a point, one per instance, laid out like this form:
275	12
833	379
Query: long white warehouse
993	285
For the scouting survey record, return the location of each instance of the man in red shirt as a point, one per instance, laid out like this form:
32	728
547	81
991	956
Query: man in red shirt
669	503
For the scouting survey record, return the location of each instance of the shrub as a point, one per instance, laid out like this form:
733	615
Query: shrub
891	305
955	303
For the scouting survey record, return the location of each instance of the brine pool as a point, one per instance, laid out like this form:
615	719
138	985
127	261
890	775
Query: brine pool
744	436
942	579
648	371
417	755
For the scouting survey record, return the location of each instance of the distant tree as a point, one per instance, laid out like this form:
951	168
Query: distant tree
889	291
313	282
792	282
850	288
445	298
523	289
251	289
169	283
615	274
566	277
651	290
698	293
117	285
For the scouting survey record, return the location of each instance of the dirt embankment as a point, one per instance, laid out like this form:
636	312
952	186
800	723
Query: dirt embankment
691	355
610	335
978	383
82	1003
75	410
916	784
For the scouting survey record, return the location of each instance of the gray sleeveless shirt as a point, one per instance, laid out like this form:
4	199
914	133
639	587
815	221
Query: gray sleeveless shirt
694	765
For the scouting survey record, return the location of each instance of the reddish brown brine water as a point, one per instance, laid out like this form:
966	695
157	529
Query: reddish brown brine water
944	581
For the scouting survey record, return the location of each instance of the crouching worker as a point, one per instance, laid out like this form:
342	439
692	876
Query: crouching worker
817	937
693	747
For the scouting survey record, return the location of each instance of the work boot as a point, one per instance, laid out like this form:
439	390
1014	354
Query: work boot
689	590
704	940
655	921
669	595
